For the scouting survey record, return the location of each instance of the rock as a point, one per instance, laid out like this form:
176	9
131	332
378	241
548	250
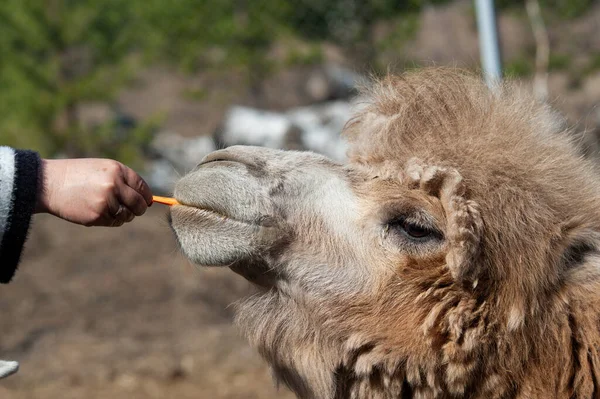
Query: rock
315	128
173	156
321	127
344	81
183	153
317	86
249	126
332	82
161	176
306	85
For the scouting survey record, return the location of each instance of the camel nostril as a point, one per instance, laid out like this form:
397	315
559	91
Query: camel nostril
217	162
214	160
229	156
221	156
218	156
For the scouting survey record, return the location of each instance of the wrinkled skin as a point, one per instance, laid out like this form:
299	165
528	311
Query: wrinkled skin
435	264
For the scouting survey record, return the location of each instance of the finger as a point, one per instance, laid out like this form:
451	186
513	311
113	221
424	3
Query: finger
133	180
122	217
111	213
132	200
116	223
128	216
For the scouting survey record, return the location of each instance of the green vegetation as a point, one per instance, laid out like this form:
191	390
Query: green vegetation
53	56
561	8
403	29
593	64
56	55
518	68
195	94
559	62
310	55
568	8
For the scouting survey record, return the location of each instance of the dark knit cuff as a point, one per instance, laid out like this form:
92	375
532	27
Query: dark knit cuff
23	201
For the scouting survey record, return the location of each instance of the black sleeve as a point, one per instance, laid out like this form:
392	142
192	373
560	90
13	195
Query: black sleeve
25	185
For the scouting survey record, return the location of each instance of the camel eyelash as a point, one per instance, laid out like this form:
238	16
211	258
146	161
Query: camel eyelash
414	229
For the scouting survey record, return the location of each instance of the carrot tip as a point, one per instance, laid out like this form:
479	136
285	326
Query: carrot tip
165	200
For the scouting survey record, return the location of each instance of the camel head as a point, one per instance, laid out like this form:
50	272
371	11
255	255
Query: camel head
454	255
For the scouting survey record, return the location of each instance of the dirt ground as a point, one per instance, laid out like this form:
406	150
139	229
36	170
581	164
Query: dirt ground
119	313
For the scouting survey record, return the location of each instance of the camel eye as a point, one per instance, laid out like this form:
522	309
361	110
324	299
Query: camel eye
414	231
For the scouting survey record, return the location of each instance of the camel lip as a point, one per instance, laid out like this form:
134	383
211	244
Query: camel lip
264	221
199	208
209	212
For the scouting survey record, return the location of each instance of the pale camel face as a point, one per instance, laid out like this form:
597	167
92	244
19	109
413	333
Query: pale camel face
322	241
299	218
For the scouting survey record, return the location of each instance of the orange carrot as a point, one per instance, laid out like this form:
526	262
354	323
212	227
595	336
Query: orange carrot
165	200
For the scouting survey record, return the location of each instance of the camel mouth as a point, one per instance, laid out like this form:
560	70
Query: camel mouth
212	238
208	212
257	273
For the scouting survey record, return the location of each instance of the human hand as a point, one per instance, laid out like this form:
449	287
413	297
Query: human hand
92	192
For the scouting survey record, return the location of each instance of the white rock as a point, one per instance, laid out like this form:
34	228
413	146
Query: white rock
161	176
249	126
321	127
174	155
184	153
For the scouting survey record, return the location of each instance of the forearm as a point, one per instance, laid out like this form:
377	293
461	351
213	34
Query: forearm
19	185
91	192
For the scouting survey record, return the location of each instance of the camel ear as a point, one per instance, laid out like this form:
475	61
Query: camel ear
464	224
464	234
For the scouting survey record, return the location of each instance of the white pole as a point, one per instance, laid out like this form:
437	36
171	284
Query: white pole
488	41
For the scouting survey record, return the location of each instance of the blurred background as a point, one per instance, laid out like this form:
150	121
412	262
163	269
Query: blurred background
99	313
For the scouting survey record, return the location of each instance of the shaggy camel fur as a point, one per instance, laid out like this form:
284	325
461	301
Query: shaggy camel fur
456	255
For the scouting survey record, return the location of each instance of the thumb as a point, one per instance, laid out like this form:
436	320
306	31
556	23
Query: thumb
133	180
